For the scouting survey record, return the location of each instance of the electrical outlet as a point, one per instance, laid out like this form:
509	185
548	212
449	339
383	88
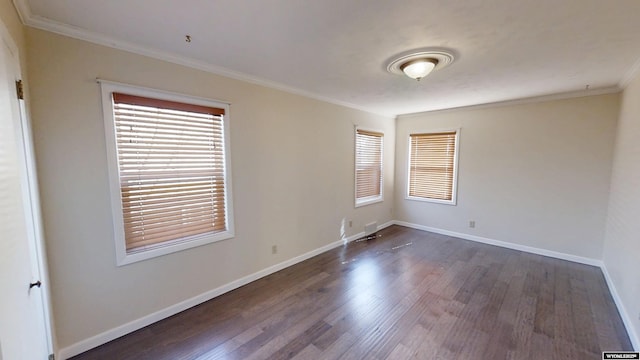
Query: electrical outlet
350	223
472	223
274	249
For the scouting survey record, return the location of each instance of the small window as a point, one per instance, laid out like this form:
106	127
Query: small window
368	167
433	166
169	171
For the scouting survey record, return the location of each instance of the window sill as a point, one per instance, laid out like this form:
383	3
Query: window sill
436	201
125	257
368	201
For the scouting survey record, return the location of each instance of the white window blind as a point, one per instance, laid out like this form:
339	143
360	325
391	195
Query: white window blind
171	166
368	165
432	162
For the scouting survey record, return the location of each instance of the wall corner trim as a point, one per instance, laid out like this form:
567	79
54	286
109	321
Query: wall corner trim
23	9
631	74
112	334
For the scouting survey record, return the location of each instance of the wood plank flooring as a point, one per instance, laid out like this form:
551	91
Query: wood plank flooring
407	294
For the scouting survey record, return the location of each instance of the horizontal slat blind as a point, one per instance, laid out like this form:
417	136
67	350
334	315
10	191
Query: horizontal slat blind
368	164
171	166
431	165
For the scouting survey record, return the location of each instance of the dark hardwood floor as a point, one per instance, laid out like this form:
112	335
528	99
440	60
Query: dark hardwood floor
407	294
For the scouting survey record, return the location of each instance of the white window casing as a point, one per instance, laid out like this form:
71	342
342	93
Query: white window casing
432	170
369	184
169	171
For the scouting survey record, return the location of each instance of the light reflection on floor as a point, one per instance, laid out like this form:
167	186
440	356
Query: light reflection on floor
367	279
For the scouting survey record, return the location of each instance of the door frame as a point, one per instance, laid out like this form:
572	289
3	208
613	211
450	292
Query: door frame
30	194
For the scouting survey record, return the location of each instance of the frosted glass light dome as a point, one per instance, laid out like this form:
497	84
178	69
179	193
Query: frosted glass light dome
419	68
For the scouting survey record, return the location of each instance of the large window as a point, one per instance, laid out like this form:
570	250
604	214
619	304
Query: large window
433	166
169	171
368	167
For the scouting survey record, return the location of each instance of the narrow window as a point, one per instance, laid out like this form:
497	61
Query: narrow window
368	167
433	167
172	183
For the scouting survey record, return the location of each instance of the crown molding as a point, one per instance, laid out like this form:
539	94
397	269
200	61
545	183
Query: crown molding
38	22
527	100
630	75
23	9
5	36
45	24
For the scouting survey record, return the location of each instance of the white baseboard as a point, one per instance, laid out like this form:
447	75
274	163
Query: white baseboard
137	324
386	225
504	244
626	319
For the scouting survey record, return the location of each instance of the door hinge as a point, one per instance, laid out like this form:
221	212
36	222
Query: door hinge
52	357
19	89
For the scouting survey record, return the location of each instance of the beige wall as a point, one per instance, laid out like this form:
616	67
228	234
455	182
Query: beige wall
622	239
11	20
297	198
292	167
533	174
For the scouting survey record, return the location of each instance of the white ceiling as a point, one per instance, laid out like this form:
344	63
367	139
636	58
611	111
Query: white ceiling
338	50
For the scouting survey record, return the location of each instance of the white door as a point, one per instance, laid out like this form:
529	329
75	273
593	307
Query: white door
23	313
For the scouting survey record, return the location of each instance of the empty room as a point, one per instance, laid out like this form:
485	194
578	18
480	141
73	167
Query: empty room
281	179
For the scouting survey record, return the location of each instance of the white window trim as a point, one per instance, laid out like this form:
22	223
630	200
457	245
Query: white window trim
454	190
123	256
369	199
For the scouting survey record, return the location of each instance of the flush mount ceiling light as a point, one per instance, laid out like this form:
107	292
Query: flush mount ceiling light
417	65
